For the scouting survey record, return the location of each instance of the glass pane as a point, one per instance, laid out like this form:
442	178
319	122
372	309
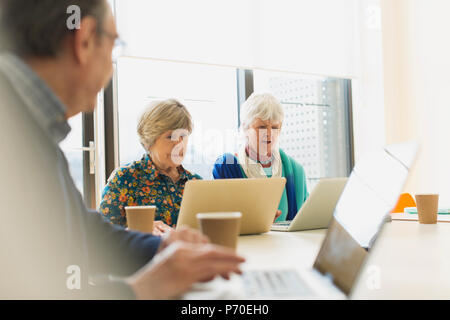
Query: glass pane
71	147
208	92
316	127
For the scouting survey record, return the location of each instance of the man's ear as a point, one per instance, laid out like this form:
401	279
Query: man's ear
85	40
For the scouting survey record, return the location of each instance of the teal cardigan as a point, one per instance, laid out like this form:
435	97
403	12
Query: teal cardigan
295	192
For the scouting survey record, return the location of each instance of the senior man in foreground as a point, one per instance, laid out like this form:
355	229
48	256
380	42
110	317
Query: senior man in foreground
49	73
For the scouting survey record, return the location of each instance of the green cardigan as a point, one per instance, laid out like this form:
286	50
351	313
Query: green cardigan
291	170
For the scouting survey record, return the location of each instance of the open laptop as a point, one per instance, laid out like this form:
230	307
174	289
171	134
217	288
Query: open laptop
370	193
317	211
256	199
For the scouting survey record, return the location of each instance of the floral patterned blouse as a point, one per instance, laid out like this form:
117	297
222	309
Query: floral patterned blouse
139	184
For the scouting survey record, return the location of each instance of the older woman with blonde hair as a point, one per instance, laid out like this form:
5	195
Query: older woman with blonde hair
158	178
260	156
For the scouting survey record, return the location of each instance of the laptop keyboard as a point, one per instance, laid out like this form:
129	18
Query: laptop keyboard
274	283
283	223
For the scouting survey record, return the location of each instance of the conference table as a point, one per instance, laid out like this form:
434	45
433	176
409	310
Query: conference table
408	261
412	261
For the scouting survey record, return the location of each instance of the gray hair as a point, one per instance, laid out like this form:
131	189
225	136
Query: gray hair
262	106
160	117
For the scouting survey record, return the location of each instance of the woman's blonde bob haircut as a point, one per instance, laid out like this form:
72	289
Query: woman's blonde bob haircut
160	117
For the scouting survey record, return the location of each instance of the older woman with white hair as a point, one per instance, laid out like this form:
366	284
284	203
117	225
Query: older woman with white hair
158	178
260	157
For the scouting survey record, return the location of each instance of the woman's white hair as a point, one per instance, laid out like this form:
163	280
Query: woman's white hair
262	106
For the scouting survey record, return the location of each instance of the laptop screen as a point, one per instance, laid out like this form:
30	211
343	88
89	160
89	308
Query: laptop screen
369	195
371	192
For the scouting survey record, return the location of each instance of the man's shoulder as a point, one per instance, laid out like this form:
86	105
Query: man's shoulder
15	119
8	94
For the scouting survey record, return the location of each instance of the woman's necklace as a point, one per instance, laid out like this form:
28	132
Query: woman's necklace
264	164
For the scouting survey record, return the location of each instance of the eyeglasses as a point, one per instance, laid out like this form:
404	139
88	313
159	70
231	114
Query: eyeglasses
119	45
118	49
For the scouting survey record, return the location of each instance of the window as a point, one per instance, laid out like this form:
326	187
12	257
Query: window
316	131
317	127
208	92
71	147
82	150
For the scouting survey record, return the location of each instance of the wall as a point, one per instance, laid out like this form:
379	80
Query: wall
287	35
416	68
368	95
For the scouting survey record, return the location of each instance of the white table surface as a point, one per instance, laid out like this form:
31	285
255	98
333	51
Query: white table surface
411	261
408	261
280	249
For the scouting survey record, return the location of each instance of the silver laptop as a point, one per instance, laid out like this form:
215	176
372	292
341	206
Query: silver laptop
317	211
256	199
370	193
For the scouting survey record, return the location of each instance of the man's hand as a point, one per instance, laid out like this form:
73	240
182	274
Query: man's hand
184	234
160	228
173	271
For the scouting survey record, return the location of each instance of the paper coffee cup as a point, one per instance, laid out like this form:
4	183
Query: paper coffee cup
140	218
222	228
427	207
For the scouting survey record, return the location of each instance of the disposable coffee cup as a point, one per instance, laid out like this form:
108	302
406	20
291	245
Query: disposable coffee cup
140	218
427	208
222	228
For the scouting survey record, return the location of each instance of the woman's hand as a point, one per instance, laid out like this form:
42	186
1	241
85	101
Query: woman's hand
277	215
160	228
